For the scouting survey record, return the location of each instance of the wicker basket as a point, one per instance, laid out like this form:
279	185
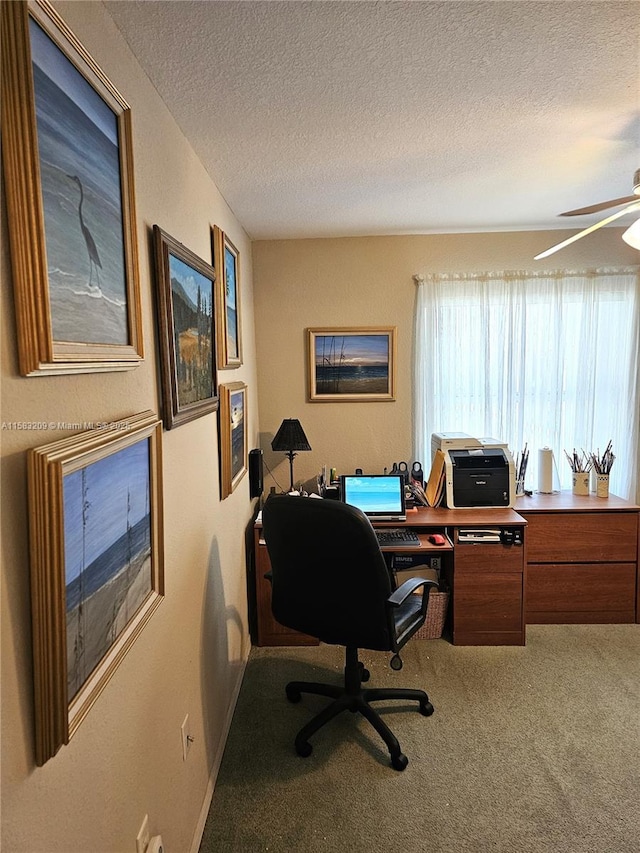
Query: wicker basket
436	614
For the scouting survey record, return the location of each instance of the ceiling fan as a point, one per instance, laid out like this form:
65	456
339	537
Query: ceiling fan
630	236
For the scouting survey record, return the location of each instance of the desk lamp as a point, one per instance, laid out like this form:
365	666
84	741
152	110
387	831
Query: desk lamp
290	438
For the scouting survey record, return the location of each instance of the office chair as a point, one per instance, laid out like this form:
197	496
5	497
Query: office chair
330	580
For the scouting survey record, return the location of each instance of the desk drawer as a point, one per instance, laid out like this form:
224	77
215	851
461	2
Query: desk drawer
485	557
580	587
571	537
486	605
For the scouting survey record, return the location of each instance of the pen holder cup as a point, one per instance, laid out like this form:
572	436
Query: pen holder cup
580	481
520	488
602	485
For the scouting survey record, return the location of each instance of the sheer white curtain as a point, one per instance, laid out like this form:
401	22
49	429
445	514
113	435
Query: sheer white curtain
547	359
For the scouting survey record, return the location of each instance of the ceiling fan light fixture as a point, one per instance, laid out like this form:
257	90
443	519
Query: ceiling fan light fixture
632	235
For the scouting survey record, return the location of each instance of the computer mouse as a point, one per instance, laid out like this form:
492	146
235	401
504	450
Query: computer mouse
437	539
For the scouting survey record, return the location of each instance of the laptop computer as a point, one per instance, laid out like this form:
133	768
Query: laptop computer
379	496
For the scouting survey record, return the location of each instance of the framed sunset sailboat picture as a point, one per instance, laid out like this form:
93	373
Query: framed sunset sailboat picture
351	364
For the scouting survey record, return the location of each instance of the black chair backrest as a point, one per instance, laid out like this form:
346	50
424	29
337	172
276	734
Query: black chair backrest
330	579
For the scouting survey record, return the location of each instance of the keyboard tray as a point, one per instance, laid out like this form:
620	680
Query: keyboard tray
397	538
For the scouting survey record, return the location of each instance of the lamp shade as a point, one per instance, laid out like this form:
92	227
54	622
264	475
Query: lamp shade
290	437
632	235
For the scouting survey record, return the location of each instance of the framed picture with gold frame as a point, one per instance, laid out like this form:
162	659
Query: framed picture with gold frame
351	364
95	518
233	436
67	155
226	261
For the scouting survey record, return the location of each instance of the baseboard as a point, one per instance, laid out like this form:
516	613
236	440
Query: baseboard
215	767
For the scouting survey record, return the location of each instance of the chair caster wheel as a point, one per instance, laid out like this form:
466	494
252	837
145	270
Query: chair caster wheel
293	695
396	663
399	761
426	708
304	748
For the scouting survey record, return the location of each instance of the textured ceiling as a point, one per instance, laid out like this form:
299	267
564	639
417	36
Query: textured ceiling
353	118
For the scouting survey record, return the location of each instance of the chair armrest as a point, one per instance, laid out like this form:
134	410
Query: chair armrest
407	588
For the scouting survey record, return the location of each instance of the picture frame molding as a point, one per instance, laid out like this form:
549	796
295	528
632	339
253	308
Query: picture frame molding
221	242
172	413
38	352
350	331
56	718
229	481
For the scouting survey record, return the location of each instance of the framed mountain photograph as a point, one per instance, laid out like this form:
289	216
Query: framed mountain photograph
186	323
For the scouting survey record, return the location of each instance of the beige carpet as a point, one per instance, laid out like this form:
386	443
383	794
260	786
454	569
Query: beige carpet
530	749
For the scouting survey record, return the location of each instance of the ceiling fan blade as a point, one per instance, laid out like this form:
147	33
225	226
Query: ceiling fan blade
603	205
588	230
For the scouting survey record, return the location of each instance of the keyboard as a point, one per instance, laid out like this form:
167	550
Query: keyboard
398	538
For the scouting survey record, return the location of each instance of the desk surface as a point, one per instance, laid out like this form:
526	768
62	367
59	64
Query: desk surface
441	517
566	501
438	517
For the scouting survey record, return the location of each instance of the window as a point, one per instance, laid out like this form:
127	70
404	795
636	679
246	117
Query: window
547	359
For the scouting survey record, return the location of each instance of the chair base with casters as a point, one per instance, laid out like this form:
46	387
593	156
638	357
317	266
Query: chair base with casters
353	697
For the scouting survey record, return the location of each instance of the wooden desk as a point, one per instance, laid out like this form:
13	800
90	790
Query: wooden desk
582	558
487	580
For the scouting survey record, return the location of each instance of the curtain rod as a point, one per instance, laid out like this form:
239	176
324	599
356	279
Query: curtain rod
513	274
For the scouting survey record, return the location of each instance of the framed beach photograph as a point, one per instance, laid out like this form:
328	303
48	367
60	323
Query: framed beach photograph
95	518
66	137
186	324
233	436
226	261
352	365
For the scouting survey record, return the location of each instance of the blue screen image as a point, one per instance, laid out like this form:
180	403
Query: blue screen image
374	494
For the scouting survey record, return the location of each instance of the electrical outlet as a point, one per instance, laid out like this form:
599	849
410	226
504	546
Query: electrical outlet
187	740
142	838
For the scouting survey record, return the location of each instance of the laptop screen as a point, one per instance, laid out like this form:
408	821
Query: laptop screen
379	496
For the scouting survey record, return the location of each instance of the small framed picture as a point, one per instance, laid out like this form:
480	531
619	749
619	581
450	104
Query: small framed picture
227	264
95	518
233	436
186	308
68	164
352	364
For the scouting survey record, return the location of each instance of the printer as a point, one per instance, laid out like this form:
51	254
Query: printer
479	472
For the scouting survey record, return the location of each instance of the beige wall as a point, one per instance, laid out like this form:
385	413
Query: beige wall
361	282
126	759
